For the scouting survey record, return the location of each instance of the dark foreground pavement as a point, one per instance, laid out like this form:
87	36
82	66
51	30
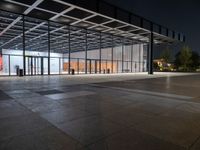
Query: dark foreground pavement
146	114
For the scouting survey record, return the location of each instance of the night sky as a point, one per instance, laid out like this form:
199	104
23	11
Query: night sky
180	15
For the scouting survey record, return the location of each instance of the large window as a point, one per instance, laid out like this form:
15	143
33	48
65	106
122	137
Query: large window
93	53
78	49
59	48
127	52
36	46
117	54
11	47
106	53
4	64
42	47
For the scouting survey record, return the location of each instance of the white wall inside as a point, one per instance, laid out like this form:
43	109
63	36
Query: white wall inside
16	58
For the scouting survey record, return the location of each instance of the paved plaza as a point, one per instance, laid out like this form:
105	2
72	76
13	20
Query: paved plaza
100	112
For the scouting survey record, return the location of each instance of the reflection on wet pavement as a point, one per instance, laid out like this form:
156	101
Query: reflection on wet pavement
161	113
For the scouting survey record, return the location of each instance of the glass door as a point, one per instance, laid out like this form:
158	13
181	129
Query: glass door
35	65
89	66
29	66
96	68
93	66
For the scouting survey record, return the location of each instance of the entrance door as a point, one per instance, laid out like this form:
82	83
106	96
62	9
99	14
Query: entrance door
89	66
34	65
95	66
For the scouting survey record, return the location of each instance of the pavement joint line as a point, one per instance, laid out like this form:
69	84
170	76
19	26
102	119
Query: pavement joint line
150	93
195	141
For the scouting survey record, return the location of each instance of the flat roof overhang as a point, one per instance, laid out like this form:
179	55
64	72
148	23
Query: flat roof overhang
98	17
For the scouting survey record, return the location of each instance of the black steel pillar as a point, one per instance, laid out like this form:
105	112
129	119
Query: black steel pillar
132	57
86	47
90	69
78	65
123	56
31	65
139	58
100	53
112	53
9	64
59	65
150	52
95	62
117	66
49	48
42	65
23	41
106	65
69	51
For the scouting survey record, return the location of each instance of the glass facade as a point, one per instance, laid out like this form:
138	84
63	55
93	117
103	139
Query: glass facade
42	47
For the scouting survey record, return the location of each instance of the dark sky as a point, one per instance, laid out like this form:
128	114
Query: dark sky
181	15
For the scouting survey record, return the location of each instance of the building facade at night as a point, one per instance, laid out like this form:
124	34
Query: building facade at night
87	37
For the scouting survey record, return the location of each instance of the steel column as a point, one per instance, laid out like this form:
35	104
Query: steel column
31	65
69	51
95	66
78	65
23	41
86	46
59	65
9	64
117	66
90	69
123	56
150	52
112	53
100	53
132	57
139	57
42	66
49	48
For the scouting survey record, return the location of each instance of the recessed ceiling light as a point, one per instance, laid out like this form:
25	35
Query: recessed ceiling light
8	6
83	24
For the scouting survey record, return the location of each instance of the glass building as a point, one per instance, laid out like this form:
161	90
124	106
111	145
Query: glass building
45	37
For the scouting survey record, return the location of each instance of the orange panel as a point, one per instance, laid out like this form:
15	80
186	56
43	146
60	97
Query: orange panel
104	66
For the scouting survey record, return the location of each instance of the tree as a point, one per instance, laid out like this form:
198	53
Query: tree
195	61
183	59
156	66
166	55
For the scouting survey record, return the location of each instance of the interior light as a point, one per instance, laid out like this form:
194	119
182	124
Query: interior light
98	28
84	24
